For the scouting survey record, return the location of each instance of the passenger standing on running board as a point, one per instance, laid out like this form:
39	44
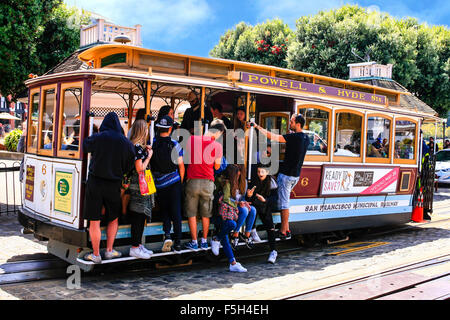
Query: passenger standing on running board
112	156
140	206
205	155
289	173
168	172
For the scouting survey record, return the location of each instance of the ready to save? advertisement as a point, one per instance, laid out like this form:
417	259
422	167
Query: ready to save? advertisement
370	181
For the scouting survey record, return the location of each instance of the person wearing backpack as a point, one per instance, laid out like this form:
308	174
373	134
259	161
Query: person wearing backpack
168	171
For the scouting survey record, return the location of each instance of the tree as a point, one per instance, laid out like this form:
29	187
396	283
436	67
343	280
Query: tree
265	43
34	36
61	35
322	44
227	43
419	53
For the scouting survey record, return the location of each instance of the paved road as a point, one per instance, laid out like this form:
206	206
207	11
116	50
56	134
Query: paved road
302	270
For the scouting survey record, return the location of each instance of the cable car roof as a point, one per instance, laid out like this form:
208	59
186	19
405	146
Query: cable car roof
129	62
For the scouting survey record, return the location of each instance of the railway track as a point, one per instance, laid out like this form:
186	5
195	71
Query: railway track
32	270
428	279
54	268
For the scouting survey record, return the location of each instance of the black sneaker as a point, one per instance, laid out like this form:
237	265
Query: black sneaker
176	247
248	241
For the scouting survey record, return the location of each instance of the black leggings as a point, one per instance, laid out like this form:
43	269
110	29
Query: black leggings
265	214
137	227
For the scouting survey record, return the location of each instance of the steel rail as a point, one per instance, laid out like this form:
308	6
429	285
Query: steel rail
345	285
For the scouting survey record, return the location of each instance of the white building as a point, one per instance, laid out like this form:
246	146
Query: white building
103	31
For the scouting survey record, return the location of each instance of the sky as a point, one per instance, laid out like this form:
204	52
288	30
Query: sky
194	27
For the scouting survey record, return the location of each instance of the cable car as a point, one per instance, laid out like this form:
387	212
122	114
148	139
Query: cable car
360	170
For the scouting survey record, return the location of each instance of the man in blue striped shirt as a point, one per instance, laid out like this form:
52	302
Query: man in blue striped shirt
168	171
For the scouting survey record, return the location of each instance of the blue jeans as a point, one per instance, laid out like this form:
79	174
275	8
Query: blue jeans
247	217
225	228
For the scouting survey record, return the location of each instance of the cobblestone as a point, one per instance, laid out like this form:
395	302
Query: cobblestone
302	270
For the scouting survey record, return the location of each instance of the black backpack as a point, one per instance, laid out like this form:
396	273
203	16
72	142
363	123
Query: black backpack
161	161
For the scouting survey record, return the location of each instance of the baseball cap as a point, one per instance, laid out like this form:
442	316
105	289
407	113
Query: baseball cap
165	122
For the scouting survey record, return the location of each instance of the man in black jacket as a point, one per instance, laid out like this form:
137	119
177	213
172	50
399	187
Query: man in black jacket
112	155
193	113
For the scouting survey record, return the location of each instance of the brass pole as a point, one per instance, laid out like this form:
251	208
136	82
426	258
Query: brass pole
130	109
147	99
202	109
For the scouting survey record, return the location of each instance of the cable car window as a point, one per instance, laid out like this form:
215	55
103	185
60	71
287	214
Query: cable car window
33	127
405	132
316	126
47	117
348	134
277	122
69	136
378	137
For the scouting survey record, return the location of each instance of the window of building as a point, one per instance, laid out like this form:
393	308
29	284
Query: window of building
404	146
70	118
348	134
316	126
378	137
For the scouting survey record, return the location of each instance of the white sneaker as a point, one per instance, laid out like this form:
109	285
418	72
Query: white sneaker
112	254
139	253
272	257
143	248
215	247
237	267
255	236
93	258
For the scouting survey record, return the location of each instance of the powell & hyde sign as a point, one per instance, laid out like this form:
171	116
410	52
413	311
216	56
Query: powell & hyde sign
257	79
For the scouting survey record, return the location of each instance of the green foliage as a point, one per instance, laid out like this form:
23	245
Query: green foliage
12	139
419	53
322	44
34	36
265	43
227	43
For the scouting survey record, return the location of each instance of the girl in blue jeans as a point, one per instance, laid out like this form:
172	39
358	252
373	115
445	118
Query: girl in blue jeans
247	213
231	217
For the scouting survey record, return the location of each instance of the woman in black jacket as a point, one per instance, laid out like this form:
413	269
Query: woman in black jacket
259	194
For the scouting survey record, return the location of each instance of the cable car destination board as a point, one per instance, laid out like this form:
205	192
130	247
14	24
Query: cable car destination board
306	87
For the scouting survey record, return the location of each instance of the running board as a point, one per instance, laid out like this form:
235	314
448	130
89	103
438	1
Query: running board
123	259
91	264
159	254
